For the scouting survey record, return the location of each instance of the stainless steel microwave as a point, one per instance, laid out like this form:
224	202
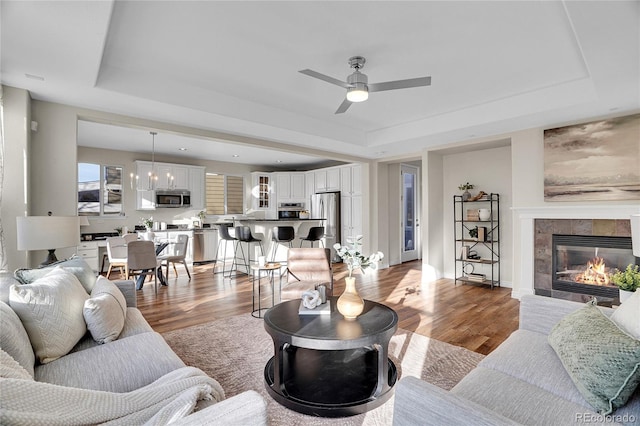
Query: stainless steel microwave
173	198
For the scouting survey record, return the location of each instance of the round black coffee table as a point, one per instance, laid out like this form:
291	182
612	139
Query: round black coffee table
327	366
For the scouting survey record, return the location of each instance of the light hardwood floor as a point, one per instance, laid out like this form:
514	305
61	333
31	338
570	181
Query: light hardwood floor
473	317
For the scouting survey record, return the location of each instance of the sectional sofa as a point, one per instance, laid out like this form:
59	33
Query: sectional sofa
566	364
126	376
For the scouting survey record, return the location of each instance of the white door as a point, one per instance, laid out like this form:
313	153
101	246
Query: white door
410	231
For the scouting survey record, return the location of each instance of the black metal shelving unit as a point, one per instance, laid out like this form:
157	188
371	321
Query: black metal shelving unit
488	250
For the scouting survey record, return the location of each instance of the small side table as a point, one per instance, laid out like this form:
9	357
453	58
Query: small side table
257	270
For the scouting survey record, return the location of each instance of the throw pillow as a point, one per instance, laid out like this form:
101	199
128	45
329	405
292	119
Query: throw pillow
76	265
105	311
50	309
627	315
14	339
602	361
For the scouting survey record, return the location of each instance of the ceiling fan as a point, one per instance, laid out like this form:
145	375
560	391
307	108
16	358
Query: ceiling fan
357	84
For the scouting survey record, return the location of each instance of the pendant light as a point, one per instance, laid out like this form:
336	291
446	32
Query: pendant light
152	177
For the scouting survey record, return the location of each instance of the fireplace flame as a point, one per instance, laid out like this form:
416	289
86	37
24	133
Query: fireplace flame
595	273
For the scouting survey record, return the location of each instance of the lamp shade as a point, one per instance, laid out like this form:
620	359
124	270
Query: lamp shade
47	232
635	234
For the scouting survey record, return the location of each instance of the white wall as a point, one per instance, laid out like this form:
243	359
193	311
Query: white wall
490	171
17	119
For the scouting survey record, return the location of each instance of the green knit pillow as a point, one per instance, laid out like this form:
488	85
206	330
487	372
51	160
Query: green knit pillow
602	361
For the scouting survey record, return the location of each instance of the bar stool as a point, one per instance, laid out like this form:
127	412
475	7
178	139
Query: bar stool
315	234
281	234
243	235
223	238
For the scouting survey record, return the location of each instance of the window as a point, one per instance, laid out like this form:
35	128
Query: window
225	194
99	190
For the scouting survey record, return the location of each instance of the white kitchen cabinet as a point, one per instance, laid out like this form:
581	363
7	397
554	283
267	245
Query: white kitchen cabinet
351	180
350	216
169	176
196	186
88	250
172	176
310	188
263	194
297	186
290	187
283	186
327	179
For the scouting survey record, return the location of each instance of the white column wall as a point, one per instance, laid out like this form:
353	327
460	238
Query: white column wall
15	194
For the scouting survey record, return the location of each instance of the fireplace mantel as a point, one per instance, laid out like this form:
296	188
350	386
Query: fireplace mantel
524	233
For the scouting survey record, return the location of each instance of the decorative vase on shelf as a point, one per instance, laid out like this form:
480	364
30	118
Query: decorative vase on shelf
484	214
350	304
466	195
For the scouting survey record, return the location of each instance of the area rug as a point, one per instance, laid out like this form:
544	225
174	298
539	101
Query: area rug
235	350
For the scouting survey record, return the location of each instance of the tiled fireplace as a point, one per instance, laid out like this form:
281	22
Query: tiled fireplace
533	241
574	257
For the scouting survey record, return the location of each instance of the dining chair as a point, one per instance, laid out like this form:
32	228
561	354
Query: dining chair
127	238
117	255
306	268
142	260
178	256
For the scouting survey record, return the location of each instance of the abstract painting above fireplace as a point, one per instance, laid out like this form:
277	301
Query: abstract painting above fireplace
599	160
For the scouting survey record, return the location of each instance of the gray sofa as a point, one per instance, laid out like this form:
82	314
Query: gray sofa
137	359
522	382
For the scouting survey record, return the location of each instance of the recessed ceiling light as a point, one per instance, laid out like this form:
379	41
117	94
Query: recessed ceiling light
34	77
182	149
235	156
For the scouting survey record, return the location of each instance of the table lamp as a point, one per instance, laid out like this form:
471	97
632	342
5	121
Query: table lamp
47	233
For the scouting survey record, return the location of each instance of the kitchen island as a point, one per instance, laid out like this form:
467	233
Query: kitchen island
263	229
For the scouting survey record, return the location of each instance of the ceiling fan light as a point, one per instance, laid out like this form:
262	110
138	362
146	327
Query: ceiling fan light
358	93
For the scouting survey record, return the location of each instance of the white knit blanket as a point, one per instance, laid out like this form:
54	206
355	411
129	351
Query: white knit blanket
168	399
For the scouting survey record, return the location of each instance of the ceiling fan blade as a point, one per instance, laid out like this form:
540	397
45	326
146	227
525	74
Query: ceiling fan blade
400	84
343	106
326	78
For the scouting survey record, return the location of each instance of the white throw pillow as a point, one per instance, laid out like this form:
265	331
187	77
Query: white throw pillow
627	315
50	309
105	311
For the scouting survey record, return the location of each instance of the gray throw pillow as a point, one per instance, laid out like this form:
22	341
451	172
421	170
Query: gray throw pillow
76	265
602	361
105	311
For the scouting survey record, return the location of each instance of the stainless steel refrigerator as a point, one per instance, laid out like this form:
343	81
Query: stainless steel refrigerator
326	205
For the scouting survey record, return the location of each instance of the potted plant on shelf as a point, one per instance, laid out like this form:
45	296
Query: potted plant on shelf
465	187
627	281
473	233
